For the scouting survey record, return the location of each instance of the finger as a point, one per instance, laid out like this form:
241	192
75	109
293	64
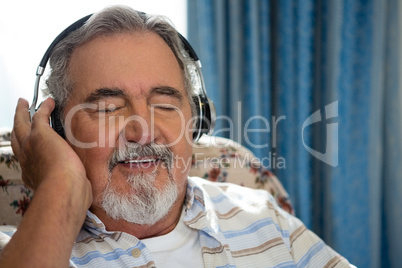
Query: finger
15	145
43	113
22	122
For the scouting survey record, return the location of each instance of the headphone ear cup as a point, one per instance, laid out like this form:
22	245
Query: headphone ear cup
205	117
197	125
208	121
56	123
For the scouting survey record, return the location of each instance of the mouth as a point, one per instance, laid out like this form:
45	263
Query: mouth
140	163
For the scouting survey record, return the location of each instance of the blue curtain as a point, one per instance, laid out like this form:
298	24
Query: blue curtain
313	89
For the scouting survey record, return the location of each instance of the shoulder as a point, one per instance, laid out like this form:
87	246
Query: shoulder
233	192
241	202
250	219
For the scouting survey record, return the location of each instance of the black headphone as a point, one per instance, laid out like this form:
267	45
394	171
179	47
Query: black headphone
205	108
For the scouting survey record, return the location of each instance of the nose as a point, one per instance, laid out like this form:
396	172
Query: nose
139	127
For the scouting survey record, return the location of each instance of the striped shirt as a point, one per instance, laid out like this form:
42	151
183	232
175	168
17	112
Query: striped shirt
238	227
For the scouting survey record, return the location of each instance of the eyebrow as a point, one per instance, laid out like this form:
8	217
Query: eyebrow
169	91
103	93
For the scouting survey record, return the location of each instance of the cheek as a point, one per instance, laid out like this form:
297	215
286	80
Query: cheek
182	151
95	161
84	132
177	129
181	167
182	161
80	130
90	143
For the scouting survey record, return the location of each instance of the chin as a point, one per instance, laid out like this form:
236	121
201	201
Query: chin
146	204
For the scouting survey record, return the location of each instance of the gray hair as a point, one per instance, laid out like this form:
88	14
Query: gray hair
107	22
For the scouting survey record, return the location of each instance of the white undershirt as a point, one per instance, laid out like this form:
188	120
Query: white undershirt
179	248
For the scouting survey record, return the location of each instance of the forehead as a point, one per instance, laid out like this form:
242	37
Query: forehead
133	62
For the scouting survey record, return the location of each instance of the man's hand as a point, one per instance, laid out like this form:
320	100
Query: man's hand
63	193
39	149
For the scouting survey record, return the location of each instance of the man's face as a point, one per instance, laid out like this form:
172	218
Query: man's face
128	89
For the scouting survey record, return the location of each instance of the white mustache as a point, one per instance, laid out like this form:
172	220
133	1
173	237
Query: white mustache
149	151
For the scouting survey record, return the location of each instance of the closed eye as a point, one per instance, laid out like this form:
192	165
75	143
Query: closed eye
109	109
164	107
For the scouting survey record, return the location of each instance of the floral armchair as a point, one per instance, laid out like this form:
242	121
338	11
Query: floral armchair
14	195
214	159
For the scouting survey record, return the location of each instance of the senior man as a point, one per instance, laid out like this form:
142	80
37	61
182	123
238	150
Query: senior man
121	197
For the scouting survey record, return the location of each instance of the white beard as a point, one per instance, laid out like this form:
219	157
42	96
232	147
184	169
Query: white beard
146	206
